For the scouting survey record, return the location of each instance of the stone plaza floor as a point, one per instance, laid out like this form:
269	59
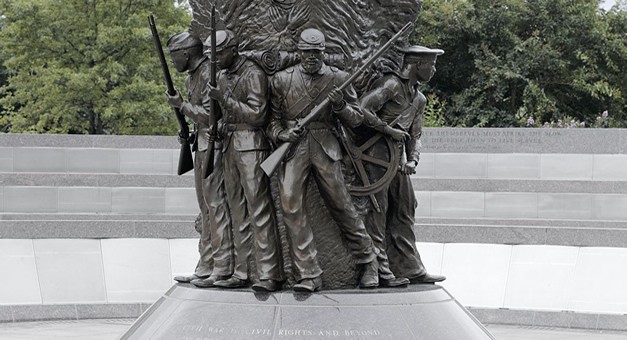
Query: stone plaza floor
109	329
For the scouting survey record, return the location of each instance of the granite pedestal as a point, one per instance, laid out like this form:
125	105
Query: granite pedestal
419	312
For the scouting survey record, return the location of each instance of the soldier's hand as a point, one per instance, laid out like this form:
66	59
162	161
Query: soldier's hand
213	92
175	101
182	140
291	135
409	168
336	97
396	134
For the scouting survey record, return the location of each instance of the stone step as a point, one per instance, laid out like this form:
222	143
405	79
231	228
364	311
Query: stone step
519	185
96	217
524	222
591	233
531	232
516	235
97	229
49	179
442	140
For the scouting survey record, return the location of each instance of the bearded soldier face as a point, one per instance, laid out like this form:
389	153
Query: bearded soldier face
311	60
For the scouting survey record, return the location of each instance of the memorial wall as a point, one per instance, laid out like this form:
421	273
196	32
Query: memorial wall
529	225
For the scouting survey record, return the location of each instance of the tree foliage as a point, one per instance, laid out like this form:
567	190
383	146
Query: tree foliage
85	66
88	66
511	60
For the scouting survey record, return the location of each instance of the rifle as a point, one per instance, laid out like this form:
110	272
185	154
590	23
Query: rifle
207	166
273	161
186	161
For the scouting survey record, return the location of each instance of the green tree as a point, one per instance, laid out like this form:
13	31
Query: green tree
85	66
511	60
3	73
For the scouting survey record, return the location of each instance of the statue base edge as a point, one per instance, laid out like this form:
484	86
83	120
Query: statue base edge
416	312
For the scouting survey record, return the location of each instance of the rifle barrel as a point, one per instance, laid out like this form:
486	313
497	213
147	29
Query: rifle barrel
207	166
164	64
186	162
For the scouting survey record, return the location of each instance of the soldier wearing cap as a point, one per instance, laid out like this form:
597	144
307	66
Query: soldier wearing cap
316	154
395	98
215	242
242	95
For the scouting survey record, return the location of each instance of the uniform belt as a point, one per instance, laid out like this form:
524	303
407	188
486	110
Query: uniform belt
319	126
240	127
312	125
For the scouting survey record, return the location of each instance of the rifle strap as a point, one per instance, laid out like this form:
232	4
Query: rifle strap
302	107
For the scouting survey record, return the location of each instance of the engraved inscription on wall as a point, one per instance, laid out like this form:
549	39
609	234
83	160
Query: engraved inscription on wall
485	140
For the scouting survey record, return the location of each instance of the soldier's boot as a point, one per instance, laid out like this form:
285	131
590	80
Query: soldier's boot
427	278
308	285
395	282
189	278
370	275
266	286
209	281
233	282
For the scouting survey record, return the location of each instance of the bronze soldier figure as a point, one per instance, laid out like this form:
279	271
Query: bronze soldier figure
215	245
242	94
316	153
395	98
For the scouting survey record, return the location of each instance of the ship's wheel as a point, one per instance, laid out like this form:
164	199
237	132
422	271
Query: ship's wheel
375	162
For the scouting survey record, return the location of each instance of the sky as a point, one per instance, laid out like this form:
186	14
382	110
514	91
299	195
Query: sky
607	4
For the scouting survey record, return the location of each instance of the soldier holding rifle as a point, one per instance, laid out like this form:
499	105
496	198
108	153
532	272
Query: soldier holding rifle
242	95
316	154
394	106
215	245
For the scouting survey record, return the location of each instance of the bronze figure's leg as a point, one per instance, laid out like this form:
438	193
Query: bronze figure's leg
404	257
204	267
375	223
219	219
220	225
328	175
242	236
293	180
260	209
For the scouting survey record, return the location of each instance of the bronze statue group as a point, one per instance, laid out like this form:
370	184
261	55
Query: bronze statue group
255	114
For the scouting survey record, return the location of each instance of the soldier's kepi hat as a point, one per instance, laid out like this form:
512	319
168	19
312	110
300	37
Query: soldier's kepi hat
183	40
416	53
224	40
311	39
